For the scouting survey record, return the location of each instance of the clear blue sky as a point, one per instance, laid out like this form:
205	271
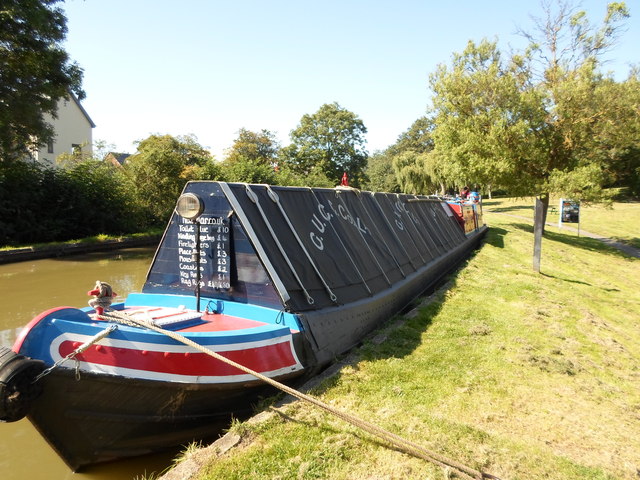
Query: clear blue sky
209	68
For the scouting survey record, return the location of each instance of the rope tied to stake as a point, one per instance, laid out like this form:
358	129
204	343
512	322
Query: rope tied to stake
401	443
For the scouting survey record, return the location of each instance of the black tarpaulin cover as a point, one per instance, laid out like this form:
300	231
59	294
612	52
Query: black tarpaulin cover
304	248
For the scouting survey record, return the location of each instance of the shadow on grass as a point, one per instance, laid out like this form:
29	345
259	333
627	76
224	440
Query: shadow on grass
495	237
402	334
578	282
514	208
586	243
633	241
398	337
565	279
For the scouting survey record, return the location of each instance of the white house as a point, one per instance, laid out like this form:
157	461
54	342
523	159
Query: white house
73	131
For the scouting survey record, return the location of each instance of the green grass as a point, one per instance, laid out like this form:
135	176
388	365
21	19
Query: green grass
619	221
521	375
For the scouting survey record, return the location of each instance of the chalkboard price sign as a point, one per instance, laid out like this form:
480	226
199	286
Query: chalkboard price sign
215	256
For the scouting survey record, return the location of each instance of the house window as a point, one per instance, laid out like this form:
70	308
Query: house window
50	146
76	148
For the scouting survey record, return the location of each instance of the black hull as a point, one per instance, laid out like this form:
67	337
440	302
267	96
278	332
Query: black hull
334	331
101	418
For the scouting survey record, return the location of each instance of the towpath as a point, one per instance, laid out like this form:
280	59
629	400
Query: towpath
623	247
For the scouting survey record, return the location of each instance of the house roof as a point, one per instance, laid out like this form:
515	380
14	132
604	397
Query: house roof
118	157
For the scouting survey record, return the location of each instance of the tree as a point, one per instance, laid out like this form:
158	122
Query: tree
253	157
531	123
408	158
418	138
158	171
332	140
616	142
486	120
256	147
527	123
35	72
380	174
419	172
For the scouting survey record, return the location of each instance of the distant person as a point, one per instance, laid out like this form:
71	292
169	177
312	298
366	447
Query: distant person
464	193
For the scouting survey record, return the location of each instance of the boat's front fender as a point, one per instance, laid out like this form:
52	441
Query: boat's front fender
17	386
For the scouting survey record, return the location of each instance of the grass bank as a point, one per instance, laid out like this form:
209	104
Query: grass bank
96	239
75	247
521	375
619	221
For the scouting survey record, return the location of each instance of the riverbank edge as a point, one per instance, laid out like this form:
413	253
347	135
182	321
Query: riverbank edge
62	250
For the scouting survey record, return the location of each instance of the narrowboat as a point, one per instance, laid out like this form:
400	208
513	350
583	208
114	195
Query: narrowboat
281	280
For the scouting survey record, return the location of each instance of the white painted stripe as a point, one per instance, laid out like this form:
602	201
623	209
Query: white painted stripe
170	377
160	347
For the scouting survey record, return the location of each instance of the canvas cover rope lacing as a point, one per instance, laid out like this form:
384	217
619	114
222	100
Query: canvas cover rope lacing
399	442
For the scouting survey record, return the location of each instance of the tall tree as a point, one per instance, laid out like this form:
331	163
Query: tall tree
158	171
530	123
255	147
418	138
622	133
35	72
526	122
487	120
253	157
412	168
380	176
331	140
566	52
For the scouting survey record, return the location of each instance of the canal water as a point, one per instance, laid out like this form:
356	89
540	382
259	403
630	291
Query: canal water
28	288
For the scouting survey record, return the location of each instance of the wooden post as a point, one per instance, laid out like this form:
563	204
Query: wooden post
538	224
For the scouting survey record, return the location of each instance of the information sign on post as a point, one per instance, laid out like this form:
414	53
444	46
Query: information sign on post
569	212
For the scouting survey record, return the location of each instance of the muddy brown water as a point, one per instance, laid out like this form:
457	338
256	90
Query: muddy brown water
28	288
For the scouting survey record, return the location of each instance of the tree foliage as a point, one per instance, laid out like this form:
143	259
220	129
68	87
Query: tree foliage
256	157
253	158
418	138
408	158
45	204
254	147
158	171
331	141
380	176
35	72
534	122
489	125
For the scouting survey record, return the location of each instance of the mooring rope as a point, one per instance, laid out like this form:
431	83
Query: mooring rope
95	339
403	444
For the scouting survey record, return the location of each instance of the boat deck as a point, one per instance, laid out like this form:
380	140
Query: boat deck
186	320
